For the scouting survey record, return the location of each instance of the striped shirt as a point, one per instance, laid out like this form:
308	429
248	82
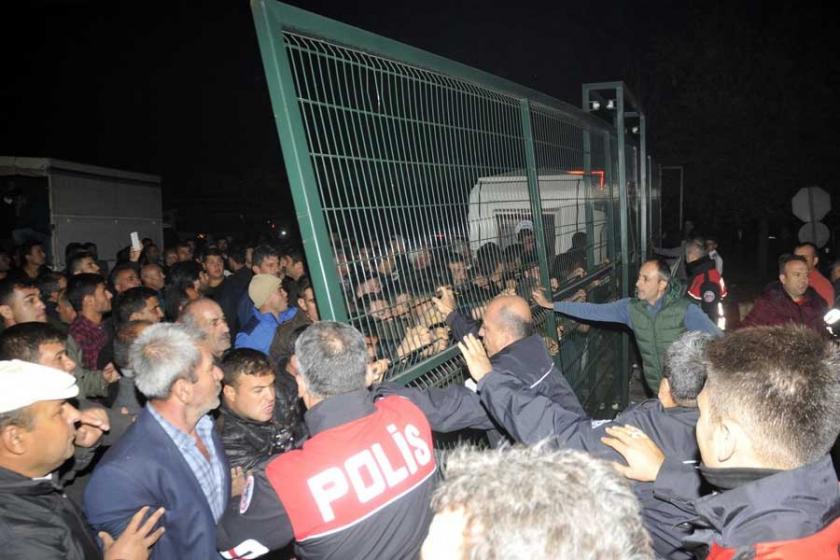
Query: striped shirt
210	475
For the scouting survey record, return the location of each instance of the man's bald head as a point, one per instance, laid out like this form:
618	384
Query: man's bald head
513	313
198	307
507	320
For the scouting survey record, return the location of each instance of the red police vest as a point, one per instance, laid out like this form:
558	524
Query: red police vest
344	474
822	545
711	276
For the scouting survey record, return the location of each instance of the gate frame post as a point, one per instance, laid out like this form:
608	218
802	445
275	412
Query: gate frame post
308	210
536	210
619	97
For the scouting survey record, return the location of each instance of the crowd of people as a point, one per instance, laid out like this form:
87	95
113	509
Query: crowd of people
191	403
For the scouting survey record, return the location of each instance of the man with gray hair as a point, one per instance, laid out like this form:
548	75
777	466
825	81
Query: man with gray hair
359	487
170	456
670	421
525	503
206	315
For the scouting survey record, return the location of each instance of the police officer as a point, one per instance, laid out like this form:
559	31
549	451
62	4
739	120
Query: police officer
360	487
769	414
513	350
670	420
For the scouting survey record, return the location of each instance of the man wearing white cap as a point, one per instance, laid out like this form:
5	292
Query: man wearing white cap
37	433
271	309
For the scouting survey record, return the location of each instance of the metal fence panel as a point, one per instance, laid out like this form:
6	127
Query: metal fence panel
410	172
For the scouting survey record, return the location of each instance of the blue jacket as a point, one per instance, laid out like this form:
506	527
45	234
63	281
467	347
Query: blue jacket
751	506
456	408
245	310
259	331
619	312
145	468
530	417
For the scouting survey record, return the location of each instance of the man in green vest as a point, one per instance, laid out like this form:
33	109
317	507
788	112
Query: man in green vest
658	315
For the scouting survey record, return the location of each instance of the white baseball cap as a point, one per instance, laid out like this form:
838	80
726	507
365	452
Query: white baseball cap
25	383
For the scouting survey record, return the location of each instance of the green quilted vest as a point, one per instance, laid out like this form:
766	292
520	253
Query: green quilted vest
655	334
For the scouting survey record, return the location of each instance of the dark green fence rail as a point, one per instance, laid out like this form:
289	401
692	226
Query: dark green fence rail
410	172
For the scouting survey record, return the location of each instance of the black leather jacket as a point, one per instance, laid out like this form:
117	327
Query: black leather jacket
247	442
38	521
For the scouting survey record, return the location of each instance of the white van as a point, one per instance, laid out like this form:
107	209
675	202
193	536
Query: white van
78	202
499	204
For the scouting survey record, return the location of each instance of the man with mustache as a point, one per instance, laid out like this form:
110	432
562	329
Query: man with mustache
206	315
171	456
37	436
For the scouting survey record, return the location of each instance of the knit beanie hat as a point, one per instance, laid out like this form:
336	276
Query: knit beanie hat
262	286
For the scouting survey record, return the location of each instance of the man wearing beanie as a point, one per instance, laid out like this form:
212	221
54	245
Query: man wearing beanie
271	309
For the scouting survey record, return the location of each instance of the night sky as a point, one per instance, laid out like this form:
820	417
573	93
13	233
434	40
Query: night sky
741	95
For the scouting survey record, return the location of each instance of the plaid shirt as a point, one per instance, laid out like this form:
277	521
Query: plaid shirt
90	337
210	475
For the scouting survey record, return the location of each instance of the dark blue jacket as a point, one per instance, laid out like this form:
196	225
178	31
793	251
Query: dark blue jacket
774	506
230	296
526	361
145	468
244	309
530	418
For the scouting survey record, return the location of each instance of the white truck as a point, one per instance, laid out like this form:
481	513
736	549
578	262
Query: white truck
500	204
78	202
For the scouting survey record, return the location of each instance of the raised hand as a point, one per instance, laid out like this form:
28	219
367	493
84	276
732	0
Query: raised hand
643	458
138	537
540	299
476	357
376	371
445	302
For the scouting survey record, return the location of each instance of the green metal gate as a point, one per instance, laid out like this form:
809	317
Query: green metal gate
409	171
